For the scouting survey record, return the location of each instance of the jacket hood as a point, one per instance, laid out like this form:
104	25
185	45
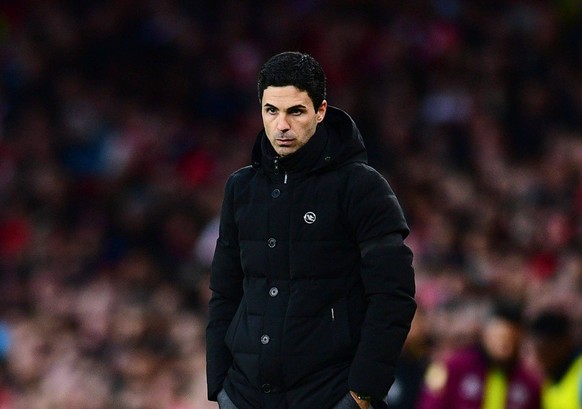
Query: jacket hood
337	141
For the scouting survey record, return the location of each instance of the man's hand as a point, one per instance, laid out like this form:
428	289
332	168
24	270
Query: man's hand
363	404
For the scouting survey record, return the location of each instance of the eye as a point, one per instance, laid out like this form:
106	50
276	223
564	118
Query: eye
296	111
270	110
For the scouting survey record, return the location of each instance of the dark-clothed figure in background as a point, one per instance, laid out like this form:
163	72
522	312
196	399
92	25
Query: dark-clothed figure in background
313	286
411	365
560	358
490	375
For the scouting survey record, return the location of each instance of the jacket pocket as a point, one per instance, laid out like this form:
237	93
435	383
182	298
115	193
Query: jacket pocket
340	327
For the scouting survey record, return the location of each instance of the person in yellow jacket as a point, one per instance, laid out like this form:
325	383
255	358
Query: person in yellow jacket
559	355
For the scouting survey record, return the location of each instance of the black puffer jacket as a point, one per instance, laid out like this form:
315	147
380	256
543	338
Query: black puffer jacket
312	285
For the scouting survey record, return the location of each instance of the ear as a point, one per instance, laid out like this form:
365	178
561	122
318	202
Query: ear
321	111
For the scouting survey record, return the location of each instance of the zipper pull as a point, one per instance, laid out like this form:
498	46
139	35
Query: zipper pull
285	179
332	314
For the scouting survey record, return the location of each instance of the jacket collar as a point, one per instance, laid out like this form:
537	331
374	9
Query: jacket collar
304	159
336	141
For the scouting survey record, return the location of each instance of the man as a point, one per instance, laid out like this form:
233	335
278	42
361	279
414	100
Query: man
560	358
312	284
489	375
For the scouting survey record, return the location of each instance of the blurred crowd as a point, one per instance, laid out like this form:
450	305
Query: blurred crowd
121	120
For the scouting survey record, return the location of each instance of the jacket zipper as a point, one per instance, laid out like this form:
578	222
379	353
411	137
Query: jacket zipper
276	163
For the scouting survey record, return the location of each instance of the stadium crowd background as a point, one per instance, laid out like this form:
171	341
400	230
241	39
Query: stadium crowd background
120	121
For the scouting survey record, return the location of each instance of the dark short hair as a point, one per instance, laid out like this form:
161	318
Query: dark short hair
550	324
297	69
509	311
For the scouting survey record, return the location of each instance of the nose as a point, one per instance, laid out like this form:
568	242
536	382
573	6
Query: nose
282	124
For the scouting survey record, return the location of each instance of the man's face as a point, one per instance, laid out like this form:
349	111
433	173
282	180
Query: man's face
501	340
289	118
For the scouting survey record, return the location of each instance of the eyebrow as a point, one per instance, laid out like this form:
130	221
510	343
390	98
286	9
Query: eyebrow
292	108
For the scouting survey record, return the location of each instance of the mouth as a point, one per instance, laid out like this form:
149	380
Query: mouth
285	141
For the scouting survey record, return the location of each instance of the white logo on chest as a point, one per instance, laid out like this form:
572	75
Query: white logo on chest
309	217
471	387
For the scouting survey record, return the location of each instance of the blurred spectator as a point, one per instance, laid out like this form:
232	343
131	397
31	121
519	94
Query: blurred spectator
411	366
560	357
490	374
